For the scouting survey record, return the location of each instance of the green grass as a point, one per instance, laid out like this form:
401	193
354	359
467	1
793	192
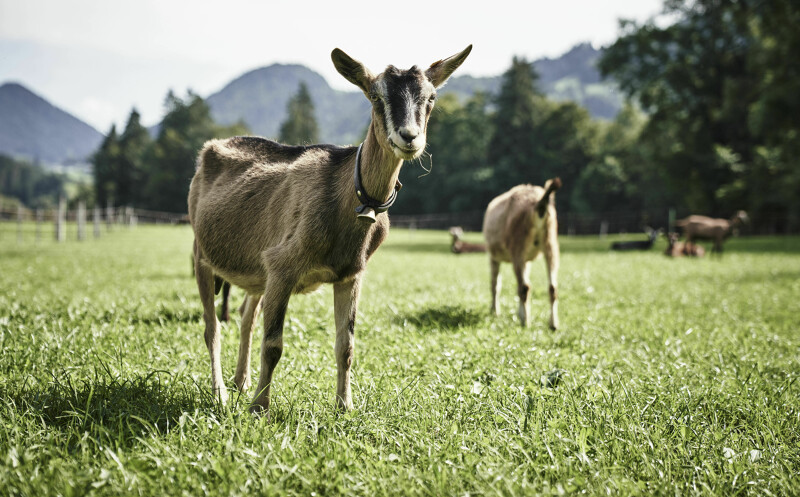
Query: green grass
676	377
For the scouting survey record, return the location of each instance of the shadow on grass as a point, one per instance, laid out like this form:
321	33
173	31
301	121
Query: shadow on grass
447	317
107	408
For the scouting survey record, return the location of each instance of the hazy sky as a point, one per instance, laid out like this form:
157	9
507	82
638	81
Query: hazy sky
98	58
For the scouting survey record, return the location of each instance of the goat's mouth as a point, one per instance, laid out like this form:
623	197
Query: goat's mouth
406	153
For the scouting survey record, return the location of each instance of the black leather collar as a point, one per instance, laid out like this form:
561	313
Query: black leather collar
363	196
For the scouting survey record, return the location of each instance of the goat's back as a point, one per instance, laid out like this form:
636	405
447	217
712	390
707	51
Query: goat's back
510	218
704	226
249	194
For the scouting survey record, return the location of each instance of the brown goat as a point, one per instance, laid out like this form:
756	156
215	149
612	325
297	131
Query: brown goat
680	249
459	246
277	220
707	228
518	226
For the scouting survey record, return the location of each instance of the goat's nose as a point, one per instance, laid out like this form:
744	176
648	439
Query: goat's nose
408	134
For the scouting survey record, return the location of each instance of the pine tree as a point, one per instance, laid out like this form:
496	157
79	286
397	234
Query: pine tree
130	172
105	162
300	126
512	149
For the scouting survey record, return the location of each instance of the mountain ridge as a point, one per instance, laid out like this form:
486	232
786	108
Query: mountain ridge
259	97
33	128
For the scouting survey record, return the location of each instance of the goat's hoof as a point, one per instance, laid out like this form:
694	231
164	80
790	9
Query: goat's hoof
259	411
243	384
344	405
221	395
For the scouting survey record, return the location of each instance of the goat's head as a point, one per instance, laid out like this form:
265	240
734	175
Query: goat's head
402	100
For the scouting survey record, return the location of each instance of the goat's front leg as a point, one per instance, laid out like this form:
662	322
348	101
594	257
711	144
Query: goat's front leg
495	282
275	302
205	286
345	304
552	256
521	268
249	311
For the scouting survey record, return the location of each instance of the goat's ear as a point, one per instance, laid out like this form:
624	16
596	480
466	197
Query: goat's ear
352	70
442	69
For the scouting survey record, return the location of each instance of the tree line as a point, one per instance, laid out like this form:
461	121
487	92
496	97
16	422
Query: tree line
711	127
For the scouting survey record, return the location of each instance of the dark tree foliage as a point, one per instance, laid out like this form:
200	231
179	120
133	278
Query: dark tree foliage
171	160
300	127
105	163
130	174
513	147
721	86
451	176
132	169
29	183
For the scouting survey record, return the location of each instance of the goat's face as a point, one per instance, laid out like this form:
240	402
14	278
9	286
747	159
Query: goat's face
402	100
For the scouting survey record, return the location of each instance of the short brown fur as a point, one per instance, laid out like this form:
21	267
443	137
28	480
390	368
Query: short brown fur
713	229
518	226
277	220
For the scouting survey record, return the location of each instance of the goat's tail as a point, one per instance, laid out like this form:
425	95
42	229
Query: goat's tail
550	186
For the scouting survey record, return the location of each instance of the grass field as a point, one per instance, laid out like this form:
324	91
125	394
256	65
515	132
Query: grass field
676	377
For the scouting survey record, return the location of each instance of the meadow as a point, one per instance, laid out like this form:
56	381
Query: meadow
667	377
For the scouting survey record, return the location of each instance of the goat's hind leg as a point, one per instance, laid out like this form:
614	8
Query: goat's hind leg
495	282
248	311
345	303
205	286
521	269
552	256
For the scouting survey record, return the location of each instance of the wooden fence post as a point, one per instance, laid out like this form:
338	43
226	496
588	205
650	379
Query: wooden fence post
96	220
19	222
39	216
603	228
61	219
109	216
81	220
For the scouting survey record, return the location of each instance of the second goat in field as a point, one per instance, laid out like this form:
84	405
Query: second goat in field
518	226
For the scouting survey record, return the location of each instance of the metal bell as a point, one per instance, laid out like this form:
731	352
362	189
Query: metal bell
367	214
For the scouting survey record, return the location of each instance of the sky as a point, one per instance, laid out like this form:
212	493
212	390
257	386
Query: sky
97	59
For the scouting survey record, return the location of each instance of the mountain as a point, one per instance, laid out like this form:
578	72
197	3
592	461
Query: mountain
259	97
32	128
573	76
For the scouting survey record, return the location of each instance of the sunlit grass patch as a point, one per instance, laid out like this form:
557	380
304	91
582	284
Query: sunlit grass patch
667	376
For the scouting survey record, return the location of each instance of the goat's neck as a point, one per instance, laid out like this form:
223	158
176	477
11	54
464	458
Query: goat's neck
379	167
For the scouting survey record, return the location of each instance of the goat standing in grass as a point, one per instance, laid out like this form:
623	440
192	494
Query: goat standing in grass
518	226
707	228
277	220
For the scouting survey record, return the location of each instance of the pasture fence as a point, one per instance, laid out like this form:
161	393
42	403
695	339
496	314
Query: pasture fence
79	223
74	224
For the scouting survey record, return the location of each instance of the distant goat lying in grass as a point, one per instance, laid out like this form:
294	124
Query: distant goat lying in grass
518	226
680	249
459	246
638	244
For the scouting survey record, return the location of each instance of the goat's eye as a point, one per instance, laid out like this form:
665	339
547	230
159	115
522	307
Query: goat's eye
375	97
432	99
